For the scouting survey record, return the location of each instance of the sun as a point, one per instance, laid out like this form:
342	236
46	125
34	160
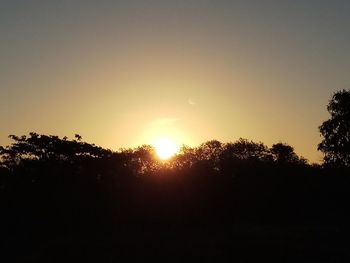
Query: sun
165	148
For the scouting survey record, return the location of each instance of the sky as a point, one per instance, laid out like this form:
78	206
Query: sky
125	73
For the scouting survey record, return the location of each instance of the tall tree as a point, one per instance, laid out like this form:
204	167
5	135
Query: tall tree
336	131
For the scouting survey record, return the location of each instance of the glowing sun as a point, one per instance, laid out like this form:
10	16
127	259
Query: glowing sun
165	148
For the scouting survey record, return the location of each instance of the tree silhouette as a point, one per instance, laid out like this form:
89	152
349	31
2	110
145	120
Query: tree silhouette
37	147
185	159
284	153
244	149
336	131
208	154
142	160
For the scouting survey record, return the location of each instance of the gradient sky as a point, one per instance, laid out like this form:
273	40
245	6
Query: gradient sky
123	73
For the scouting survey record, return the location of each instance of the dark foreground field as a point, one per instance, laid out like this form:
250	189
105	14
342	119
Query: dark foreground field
241	243
247	218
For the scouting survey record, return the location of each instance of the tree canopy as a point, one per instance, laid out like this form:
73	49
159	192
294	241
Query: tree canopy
336	131
213	155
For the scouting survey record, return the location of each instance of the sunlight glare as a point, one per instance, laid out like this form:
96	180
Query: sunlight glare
165	148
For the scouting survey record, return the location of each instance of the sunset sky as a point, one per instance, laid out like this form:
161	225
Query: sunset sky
126	73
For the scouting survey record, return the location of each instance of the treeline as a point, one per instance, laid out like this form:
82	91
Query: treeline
35	151
55	188
72	174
